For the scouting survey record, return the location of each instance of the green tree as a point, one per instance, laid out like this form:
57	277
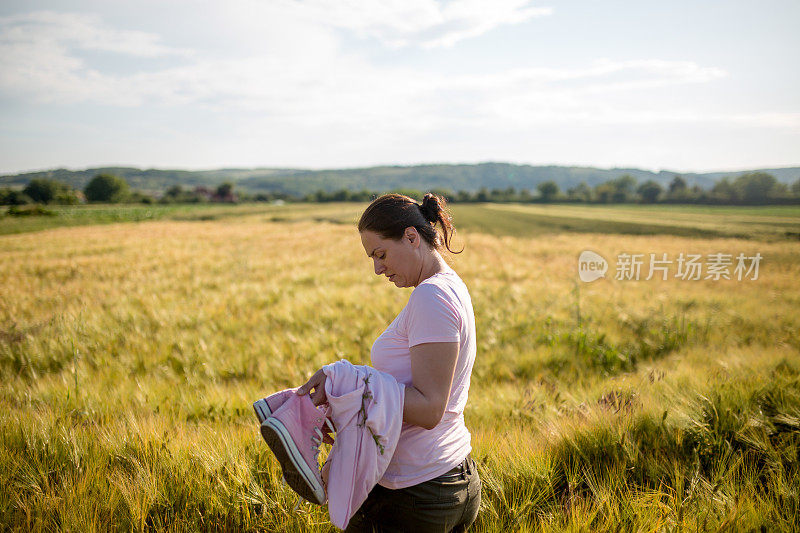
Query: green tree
342	195
649	191
68	197
140	198
361	196
796	187
174	192
319	196
463	196
618	190
725	191
414	194
43	190
13	197
548	190
263	197
581	192
604	192
224	191
757	187
677	187
623	188
106	188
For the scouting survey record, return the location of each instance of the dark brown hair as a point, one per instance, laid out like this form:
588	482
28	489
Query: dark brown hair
391	214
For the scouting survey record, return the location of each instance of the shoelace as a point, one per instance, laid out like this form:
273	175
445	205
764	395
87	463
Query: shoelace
316	440
299	499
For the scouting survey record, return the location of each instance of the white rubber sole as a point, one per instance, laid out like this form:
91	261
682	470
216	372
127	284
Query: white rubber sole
262	410
296	471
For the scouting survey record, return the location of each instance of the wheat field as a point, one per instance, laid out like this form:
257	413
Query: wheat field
130	354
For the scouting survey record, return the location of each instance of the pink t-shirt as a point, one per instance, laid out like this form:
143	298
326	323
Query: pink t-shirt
438	310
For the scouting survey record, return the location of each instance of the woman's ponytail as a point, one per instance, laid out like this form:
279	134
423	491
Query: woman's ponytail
434	210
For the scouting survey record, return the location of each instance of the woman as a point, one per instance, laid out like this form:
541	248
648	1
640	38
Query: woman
431	483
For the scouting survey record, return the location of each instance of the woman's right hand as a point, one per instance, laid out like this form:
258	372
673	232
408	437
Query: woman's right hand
317	384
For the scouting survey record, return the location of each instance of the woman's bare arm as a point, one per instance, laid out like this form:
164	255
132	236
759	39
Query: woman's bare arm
432	367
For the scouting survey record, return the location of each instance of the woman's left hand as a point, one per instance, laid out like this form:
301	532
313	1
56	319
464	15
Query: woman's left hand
317	383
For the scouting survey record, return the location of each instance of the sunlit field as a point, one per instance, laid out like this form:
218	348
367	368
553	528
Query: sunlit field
130	354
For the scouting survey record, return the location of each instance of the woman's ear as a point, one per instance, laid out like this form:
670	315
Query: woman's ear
412	235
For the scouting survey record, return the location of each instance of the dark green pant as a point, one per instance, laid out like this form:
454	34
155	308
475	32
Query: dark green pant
447	503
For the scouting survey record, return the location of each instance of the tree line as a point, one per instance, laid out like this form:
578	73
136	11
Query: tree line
751	188
110	189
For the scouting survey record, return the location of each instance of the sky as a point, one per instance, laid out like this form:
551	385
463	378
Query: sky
699	85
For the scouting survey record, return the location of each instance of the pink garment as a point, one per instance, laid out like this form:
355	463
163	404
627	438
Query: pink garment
438	310
363	448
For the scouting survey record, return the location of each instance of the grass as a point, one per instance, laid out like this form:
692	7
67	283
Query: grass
769	223
130	354
66	216
759	223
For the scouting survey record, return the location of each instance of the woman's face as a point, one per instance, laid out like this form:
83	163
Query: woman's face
400	261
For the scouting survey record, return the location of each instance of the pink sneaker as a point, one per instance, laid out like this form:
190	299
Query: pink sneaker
266	406
294	433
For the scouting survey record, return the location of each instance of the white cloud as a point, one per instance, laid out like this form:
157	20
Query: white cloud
606	91
79	30
601	75
426	23
305	77
39	57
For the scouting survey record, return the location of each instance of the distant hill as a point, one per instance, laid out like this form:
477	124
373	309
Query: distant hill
150	180
422	177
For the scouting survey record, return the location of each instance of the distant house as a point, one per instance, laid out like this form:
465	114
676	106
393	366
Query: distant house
204	194
230	198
